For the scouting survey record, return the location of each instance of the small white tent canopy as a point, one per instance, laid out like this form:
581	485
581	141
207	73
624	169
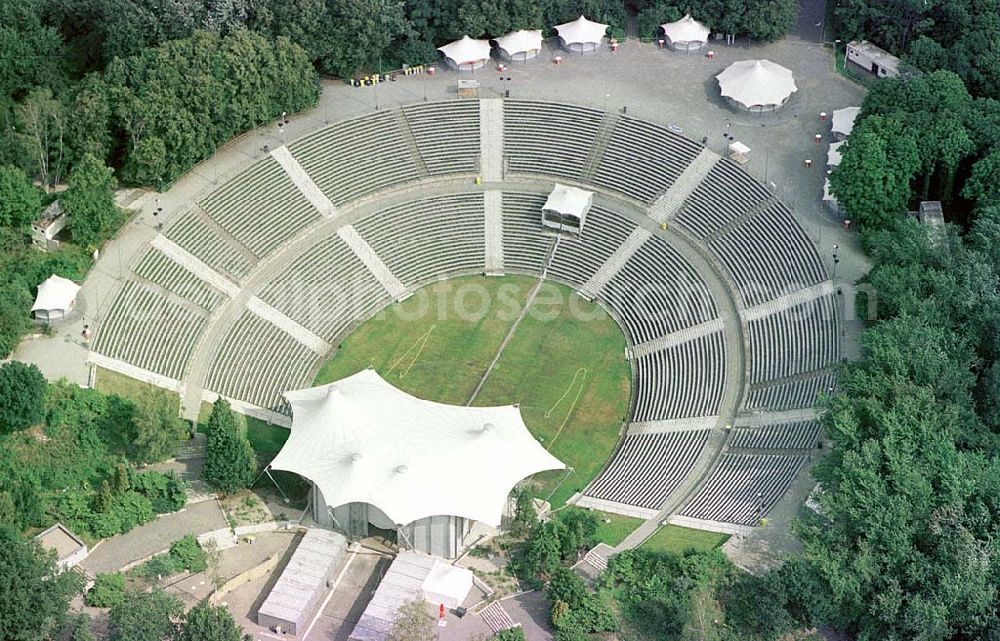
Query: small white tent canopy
833	156
843	122
466	54
361	440
56	298
829	200
756	85
581	35
687	34
518	46
566	209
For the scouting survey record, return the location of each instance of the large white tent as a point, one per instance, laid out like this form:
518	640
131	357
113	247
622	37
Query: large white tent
466	54
519	46
566	208
756	85
56	298
843	122
361	440
581	35
687	34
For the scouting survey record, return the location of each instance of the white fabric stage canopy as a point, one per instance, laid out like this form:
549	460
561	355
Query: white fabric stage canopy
56	297
757	83
569	201
581	31
843	120
686	30
523	44
467	52
362	440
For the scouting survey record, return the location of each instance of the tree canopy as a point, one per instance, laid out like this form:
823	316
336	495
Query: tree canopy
230	462
22	396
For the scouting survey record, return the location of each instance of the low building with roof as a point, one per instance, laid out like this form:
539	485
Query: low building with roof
873	59
45	231
69	548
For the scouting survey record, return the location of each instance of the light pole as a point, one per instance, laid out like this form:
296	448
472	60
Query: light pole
836	259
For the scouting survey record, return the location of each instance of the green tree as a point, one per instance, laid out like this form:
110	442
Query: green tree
82	630
412	622
22	396
20	202
230	462
145	616
90	201
206	622
108	590
34	593
156	428
983	185
362	32
41	129
15	321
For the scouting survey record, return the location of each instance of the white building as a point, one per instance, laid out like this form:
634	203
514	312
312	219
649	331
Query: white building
48	226
581	35
466	54
565	210
686	34
379	458
519	46
756	85
873	59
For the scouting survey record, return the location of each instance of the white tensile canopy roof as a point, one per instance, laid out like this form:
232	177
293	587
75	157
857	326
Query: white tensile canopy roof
362	440
521	41
581	31
827	194
569	201
755	83
833	156
687	29
447	584
56	294
843	120
466	51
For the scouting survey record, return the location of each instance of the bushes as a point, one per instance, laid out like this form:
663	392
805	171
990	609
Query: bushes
553	542
108	590
22	396
185	555
166	492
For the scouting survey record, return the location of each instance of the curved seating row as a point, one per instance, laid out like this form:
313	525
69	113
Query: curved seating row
547	138
577	259
145	329
744	487
802	392
446	134
799	435
726	193
684	381
158	268
648	467
642	159
202	241
525	248
799	339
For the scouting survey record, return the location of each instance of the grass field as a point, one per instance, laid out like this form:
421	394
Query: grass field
615	531
565	365
111	382
673	538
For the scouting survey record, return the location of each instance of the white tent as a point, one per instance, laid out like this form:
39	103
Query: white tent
466	54
56	298
829	200
447	584
566	208
756	85
833	156
581	35
520	45
361	440
687	34
843	122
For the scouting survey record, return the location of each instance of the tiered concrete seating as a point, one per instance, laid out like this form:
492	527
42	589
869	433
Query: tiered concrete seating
797	435
158	268
429	238
525	248
203	242
356	157
548	138
726	193
261	207
803	392
145	329
447	135
327	290
577	259
681	382
769	255
648	467
256	362
800	339
744	487
658	292
642	159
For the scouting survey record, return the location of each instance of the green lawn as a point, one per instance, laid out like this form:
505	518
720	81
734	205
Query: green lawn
111	382
673	538
617	529
568	372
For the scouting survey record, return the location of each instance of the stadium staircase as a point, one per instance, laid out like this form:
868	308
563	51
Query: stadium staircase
411	142
604	134
666	206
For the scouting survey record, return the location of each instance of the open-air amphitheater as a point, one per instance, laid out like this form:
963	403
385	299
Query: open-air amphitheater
729	313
